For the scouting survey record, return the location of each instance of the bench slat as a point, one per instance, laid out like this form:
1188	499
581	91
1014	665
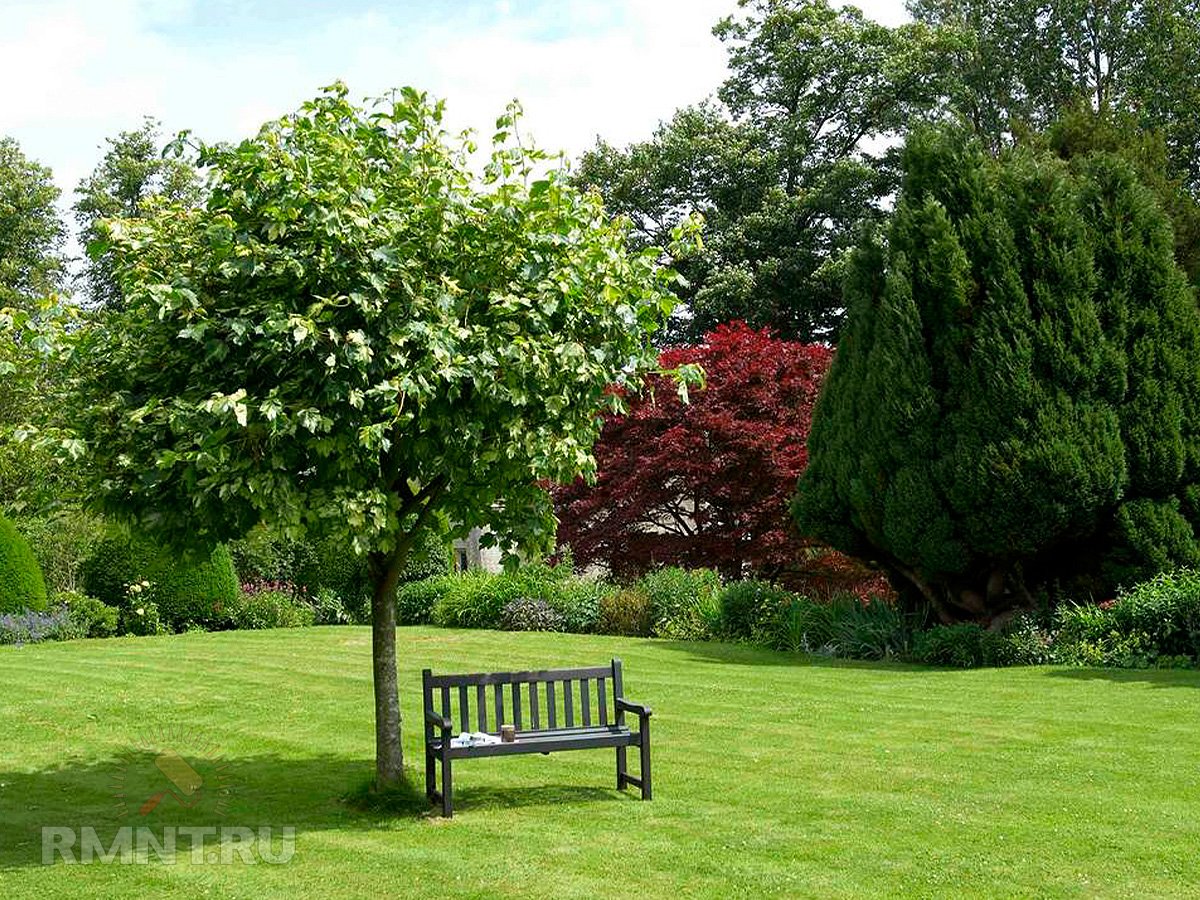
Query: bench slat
446	702
481	706
516	705
551	704
602	695
535	712
498	690
510	677
568	703
585	698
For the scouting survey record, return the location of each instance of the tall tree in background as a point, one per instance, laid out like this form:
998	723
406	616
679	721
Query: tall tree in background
1019	64
707	483
31	269
31	232
785	169
1016	395
133	172
1081	131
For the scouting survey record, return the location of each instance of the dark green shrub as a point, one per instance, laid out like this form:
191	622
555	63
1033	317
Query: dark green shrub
115	562
1023	643
531	614
475	599
968	646
89	616
415	600
330	563
796	624
1088	635
867	629
186	589
21	584
263	555
61	543
1166	609
626	611
270	609
749	608
578	601
683	602
960	646
196	592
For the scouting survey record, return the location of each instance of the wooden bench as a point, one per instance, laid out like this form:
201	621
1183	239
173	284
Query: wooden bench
551	710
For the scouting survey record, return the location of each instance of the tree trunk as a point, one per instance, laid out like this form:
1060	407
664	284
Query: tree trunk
389	755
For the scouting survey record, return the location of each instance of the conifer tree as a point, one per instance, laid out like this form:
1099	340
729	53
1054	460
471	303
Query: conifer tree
1013	400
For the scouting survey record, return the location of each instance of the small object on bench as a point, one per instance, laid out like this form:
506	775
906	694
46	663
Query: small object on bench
514	700
472	738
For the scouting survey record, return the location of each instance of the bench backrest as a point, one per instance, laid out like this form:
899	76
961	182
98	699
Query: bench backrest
530	701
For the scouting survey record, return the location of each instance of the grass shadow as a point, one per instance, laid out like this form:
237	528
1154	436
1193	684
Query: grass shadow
135	790
316	793
481	798
752	655
1159	678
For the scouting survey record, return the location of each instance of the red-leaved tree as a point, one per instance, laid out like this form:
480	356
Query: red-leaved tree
707	483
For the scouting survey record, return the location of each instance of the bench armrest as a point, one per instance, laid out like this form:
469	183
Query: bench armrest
637	709
437	720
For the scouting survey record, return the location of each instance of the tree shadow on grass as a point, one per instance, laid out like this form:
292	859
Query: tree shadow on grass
752	655
1159	678
748	654
155	790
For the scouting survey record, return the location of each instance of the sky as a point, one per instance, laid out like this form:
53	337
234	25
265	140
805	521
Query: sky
78	71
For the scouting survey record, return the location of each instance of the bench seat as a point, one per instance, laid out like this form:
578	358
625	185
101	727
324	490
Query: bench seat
548	741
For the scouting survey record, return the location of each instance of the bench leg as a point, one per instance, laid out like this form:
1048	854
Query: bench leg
645	760
447	788
430	775
622	768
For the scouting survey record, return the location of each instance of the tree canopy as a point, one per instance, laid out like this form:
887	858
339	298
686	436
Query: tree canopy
1021	63
31	232
133	173
704	483
785	169
1016	396
356	335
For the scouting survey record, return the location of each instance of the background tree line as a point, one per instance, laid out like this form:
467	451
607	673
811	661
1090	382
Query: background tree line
798	150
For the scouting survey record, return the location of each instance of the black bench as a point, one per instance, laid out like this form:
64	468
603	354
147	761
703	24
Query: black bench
550	710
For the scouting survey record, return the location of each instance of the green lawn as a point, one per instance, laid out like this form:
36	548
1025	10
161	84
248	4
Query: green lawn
774	775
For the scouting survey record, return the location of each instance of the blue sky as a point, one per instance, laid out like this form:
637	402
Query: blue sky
77	71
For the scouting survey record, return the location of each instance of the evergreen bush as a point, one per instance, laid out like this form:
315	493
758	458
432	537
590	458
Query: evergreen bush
22	586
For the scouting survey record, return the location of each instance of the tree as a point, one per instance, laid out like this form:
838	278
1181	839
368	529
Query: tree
355	335
1080	131
31	269
704	483
1022	63
132	175
785	170
1015	399
31	232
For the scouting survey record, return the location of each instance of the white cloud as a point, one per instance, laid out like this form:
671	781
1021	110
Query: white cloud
78	71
